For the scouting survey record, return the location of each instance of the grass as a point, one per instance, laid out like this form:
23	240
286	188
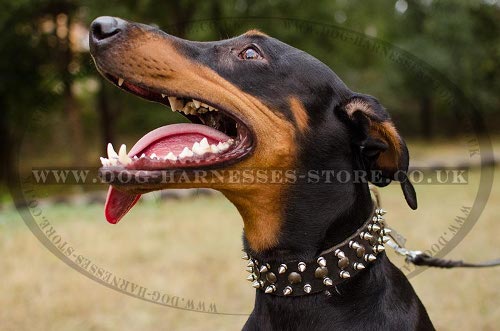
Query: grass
179	247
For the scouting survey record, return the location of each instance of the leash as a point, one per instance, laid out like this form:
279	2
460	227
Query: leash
420	258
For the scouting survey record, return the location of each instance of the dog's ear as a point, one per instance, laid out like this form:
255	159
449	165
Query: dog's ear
383	152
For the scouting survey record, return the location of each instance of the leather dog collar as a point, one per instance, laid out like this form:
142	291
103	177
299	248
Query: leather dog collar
332	267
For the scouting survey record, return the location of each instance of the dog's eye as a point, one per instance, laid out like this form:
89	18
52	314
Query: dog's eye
250	53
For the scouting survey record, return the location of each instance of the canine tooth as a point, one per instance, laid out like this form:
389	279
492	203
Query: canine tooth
204	142
111	152
120	81
122	155
196	103
186	152
171	156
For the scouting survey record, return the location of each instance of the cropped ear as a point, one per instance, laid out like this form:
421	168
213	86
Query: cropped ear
383	152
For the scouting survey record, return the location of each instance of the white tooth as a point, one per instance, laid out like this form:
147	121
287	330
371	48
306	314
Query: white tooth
113	162
186	152
153	156
214	149
230	141
223	146
111	152
163	95
210	108
143	155
197	149
104	161
120	81
122	155
196	103
204	142
171	156
202	110
135	157
204	105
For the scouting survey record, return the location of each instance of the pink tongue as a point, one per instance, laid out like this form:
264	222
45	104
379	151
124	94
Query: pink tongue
170	138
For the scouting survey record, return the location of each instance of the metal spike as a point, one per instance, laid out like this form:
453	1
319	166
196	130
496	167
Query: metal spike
245	257
263	269
374	228
250	263
370	257
354	245
338	253
307	288
385	239
282	269
327	281
365	236
378	249
359	266
386	231
256	284
270	289
301	266
380	211
249	269
321	261
345	274
251	278
287	291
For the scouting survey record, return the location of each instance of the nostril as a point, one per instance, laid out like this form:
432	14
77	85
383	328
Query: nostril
105	27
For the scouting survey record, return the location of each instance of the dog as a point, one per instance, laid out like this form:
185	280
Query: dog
314	248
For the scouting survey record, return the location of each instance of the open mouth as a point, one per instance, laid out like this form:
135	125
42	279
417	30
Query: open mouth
214	138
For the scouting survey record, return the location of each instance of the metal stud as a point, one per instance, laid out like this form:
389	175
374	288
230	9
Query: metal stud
270	289
385	231
245	256
370	257
271	277
338	253
343	263
380	211
327	281
251	278
360	251
264	268
345	274
321	272
294	278
287	291
250	263
378	249
321	261
282	269
385	239
301	266
359	266
374	228
354	244
307	288
256	284
249	269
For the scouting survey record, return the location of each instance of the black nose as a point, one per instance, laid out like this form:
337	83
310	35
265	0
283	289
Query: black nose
105	27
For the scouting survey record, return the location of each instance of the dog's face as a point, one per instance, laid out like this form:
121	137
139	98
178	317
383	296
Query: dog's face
255	103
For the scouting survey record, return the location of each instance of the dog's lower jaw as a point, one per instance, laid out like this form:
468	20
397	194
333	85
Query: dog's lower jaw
373	298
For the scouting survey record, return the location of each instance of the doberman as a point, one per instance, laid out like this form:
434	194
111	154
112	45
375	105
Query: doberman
258	104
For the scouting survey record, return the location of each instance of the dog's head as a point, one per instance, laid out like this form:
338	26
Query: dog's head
255	103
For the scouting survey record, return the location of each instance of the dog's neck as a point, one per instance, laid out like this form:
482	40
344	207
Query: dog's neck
315	219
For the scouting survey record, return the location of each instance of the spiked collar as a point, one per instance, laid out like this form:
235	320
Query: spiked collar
332	267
